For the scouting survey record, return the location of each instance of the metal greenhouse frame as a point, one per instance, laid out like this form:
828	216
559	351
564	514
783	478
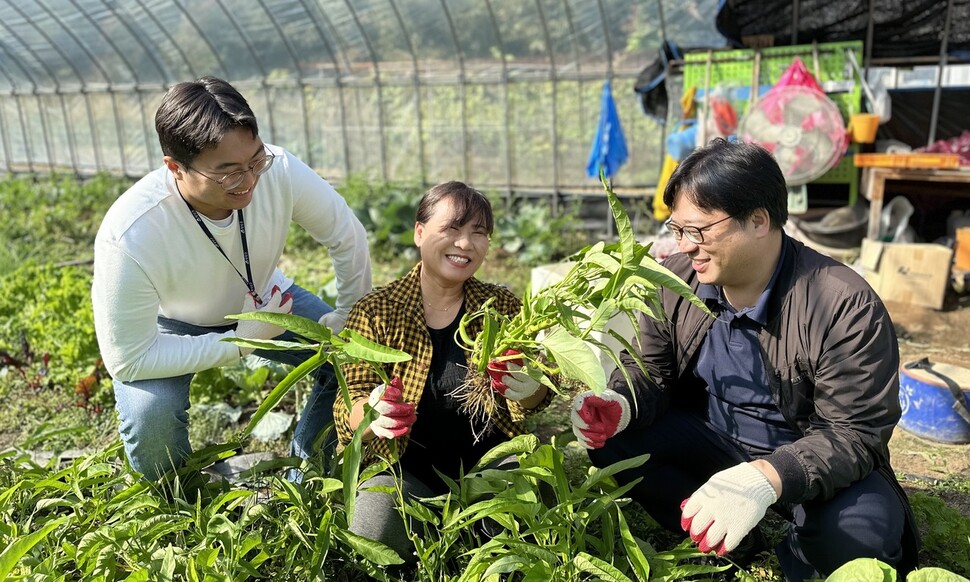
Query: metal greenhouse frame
501	94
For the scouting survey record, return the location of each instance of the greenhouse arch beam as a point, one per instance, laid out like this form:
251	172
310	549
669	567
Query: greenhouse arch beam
506	125
198	29
44	122
18	99
462	82
405	33
381	122
178	47
554	80
4	134
112	87
299	79
345	135
68	127
262	70
106	79
139	37
606	38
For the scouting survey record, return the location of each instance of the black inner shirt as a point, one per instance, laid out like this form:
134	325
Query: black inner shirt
443	437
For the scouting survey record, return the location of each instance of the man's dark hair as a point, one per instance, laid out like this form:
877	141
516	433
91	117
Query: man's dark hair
196	115
470	204
735	177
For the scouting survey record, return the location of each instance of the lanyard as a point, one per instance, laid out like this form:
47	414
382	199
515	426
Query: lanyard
248	279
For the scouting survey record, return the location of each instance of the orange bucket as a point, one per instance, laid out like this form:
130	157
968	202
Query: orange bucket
862	127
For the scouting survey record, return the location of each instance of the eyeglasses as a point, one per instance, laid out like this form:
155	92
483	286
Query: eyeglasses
694	234
234	179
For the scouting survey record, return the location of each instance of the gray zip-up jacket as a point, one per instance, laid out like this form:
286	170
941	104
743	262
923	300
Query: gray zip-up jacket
832	361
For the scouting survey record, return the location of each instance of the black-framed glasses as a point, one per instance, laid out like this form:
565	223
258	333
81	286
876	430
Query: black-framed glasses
694	234
234	179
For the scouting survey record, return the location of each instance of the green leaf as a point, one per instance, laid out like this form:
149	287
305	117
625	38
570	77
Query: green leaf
599	475
933	575
296	323
641	567
361	348
281	389
600	568
576	359
12	554
370	549
867	569
268	344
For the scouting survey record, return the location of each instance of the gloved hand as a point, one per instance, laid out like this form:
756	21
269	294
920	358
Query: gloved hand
509	378
597	418
727	507
335	320
278	302
397	416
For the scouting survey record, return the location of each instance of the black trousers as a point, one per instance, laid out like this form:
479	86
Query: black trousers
866	519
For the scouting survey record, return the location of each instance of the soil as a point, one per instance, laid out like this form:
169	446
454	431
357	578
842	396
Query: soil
942	336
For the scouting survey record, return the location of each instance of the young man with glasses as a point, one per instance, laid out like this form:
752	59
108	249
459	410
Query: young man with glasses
786	398
198	239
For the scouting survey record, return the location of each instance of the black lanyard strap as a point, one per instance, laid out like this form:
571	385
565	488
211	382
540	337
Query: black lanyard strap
248	279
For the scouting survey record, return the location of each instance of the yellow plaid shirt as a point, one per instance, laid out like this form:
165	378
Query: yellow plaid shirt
394	317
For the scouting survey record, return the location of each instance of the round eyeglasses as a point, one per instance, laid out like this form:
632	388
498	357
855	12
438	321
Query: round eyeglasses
234	179
694	234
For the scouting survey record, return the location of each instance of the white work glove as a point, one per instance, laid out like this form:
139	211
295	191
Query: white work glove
278	302
510	379
335	320
597	418
396	415
727	507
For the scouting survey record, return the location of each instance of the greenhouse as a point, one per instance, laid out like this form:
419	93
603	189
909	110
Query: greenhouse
502	94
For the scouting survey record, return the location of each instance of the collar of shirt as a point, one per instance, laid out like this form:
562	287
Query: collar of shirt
713	296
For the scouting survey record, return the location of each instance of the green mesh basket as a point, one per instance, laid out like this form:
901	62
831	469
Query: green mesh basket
732	73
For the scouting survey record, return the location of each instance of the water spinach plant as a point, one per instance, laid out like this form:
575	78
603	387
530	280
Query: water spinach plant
559	326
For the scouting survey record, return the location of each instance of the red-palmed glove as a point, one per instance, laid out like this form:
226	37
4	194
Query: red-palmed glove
597	418
277	302
510	379
727	507
396	415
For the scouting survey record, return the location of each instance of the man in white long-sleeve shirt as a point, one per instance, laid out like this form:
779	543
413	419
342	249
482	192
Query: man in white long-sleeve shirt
198	239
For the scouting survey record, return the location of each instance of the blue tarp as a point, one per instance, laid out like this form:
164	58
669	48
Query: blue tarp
609	146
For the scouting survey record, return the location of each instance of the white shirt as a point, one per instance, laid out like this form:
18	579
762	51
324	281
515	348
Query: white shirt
151	258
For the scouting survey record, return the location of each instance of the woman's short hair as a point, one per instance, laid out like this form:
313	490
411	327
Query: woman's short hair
470	204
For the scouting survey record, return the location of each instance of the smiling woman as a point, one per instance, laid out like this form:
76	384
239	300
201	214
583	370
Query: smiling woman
420	421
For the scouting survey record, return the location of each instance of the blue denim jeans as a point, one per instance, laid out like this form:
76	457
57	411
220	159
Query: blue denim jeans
153	414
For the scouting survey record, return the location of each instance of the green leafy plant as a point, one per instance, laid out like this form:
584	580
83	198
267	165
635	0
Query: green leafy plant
385	210
554	331
53	218
945	532
533	235
870	569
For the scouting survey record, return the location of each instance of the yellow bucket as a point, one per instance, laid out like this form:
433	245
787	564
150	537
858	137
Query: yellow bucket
863	126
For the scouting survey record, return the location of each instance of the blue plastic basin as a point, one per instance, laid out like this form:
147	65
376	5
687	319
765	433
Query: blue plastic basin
927	403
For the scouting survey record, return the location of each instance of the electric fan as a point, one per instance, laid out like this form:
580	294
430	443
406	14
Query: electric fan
804	131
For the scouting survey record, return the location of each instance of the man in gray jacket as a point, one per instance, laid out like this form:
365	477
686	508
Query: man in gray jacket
786	398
